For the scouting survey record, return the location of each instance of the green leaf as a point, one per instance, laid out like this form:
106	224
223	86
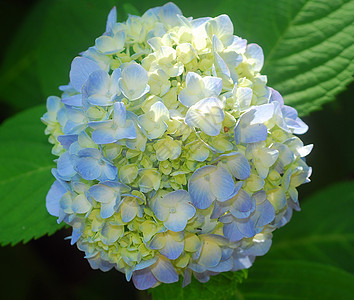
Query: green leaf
130	9
323	231
19	82
70	27
222	286
295	280
308	45
25	178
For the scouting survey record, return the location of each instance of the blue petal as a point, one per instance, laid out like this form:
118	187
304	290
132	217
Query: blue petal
97	262
67	140
238	165
104	135
164	271
72	127
169	14
222	184
53	103
88	168
96	87
226	253
120	114
219	209
145	263
247	227
199	187
53	197
143	279
60	180
117	73
187	278
232	232
237	132
108	172
187	209
242	205
265	213
176	222
175	197
254	133
172	248
111	19
65	166
81	68
261	113
161	212
77	231
127	132
275	96
300	127
242	201
74	100
202	277
102	193
258	248
242	263
289	112
223	266
108	209
90	152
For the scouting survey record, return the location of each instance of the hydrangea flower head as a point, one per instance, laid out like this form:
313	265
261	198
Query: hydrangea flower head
174	157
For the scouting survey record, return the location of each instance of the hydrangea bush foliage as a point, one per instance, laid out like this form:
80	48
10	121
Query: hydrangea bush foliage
174	156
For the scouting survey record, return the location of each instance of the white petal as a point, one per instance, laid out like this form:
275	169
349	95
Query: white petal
160	111
244	96
133	82
207	115
255	52
213	85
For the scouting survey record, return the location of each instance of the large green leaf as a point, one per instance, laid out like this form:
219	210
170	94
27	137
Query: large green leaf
19	82
222	286
25	178
288	279
323	231
270	279
308	45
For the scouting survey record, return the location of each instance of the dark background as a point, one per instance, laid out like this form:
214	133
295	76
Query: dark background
50	268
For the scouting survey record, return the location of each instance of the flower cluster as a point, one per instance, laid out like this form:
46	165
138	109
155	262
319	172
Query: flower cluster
174	157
